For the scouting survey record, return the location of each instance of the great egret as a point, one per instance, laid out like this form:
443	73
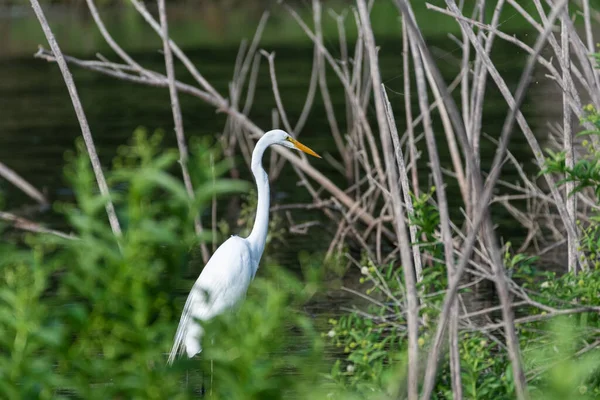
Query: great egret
227	275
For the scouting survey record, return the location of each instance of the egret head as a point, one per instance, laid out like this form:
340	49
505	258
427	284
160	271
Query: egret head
284	139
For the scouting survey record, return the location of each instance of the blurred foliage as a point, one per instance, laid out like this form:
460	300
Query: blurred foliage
94	317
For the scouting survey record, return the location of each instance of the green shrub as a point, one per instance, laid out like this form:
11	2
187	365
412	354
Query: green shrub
94	317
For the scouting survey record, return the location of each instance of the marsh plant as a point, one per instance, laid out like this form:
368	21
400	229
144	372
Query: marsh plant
93	316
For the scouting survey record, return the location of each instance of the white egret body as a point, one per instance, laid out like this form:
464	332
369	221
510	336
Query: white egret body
227	275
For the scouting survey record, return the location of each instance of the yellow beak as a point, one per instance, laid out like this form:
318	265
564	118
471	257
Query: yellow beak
302	147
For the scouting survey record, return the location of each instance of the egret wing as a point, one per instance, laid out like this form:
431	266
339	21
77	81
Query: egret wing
222	283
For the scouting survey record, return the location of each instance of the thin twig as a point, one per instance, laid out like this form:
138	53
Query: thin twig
85	128
421	70
409	277
181	143
588	26
322	80
27	225
392	175
408	109
141	8
112	43
478	217
14	178
275	87
568	143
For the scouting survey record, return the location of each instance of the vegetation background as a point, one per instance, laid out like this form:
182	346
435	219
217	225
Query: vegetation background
446	247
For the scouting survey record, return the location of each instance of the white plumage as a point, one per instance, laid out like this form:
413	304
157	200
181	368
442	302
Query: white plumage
227	275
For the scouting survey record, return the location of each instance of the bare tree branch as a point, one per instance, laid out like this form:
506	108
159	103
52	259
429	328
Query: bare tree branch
22	184
477	219
85	128
568	143
27	225
407	260
176	109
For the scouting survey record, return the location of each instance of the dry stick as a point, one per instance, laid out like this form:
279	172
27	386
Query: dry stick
404	175
420	73
408	110
248	61
450	138
481	211
235	87
573	98
111	42
434	104
310	95
478	89
466	110
584	59
275	88
541	317
553	43
571	200
350	117
27	225
366	217
252	85
574	101
344	60
212	97
479	86
141	8
280	112
85	128
356	135
529	136
392	177
251	63
588	26
231	130
347	87
330	112
464	84
360	86
409	278
500	280
460	129
476	136
453	112
181	143
567	84
22	184
308	102
158	80
379	104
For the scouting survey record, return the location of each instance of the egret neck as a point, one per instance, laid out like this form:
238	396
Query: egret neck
258	236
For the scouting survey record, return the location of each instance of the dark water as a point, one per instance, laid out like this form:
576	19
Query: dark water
38	124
